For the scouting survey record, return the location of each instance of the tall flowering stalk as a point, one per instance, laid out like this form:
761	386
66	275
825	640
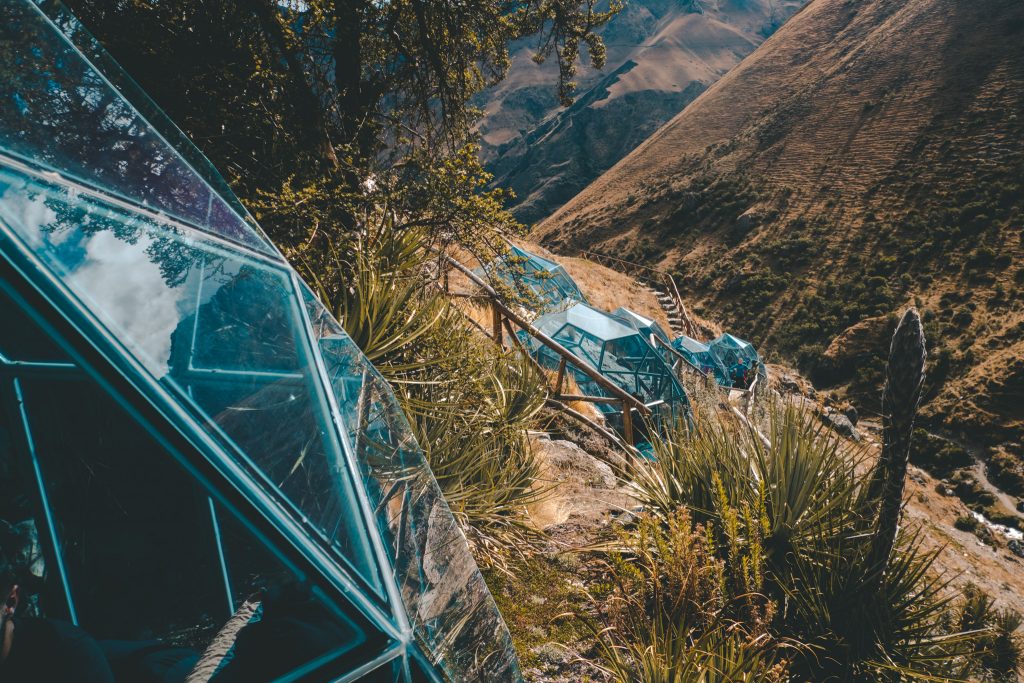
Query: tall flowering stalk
901	396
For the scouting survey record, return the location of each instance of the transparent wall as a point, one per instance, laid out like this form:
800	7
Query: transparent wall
61	113
701	356
449	605
738	356
185	299
546	280
102	527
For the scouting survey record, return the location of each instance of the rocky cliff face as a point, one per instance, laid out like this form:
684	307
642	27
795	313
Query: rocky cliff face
869	155
661	56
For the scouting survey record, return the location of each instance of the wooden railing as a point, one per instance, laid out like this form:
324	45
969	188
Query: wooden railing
504	319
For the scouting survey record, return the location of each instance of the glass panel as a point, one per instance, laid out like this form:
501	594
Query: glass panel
290	626
147	108
23	340
121	512
221	330
454	617
57	111
154	569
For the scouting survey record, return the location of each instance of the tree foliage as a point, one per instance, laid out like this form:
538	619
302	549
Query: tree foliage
321	112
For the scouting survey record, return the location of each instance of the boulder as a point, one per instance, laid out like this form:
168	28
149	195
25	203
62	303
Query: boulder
555	654
749	219
841	424
851	414
575	484
1016	547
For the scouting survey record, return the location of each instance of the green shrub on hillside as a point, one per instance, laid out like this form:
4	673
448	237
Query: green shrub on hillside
801	505
469	402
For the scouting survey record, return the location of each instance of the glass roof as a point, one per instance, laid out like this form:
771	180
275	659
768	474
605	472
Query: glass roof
545	279
690	344
587	318
62	115
733	351
639	322
183	298
700	355
620	353
536	260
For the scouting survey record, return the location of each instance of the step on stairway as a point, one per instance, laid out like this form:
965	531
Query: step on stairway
671	308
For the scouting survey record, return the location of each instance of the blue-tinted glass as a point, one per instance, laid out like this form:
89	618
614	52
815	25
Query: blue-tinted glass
59	113
155	571
700	355
736	354
23	340
547	281
445	597
224	331
121	508
155	117
290	626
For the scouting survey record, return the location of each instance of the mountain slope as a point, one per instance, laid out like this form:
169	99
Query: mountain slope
869	155
661	55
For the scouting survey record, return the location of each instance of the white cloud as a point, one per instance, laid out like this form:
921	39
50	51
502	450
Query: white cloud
129	292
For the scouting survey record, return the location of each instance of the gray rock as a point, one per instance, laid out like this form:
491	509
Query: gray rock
554	653
851	414
749	219
1016	547
569	461
841	424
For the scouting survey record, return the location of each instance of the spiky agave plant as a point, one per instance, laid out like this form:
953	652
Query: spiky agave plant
469	403
816	527
801	479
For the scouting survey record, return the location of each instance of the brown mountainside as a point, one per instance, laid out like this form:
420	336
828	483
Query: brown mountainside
661	54
869	155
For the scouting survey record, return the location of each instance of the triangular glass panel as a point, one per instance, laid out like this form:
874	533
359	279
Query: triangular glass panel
103	528
445	597
221	329
60	114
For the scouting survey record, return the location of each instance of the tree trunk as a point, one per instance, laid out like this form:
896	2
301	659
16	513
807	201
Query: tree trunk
307	102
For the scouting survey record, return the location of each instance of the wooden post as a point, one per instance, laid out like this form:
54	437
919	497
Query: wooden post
496	324
560	378
627	423
583	367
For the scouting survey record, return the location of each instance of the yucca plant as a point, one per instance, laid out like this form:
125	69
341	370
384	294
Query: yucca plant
469	402
862	627
1000	648
802	501
802	480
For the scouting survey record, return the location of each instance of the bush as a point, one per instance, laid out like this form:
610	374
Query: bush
966	523
800	502
938	456
670	617
469	402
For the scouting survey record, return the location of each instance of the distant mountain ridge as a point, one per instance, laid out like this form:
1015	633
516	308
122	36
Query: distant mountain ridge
868	156
661	56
